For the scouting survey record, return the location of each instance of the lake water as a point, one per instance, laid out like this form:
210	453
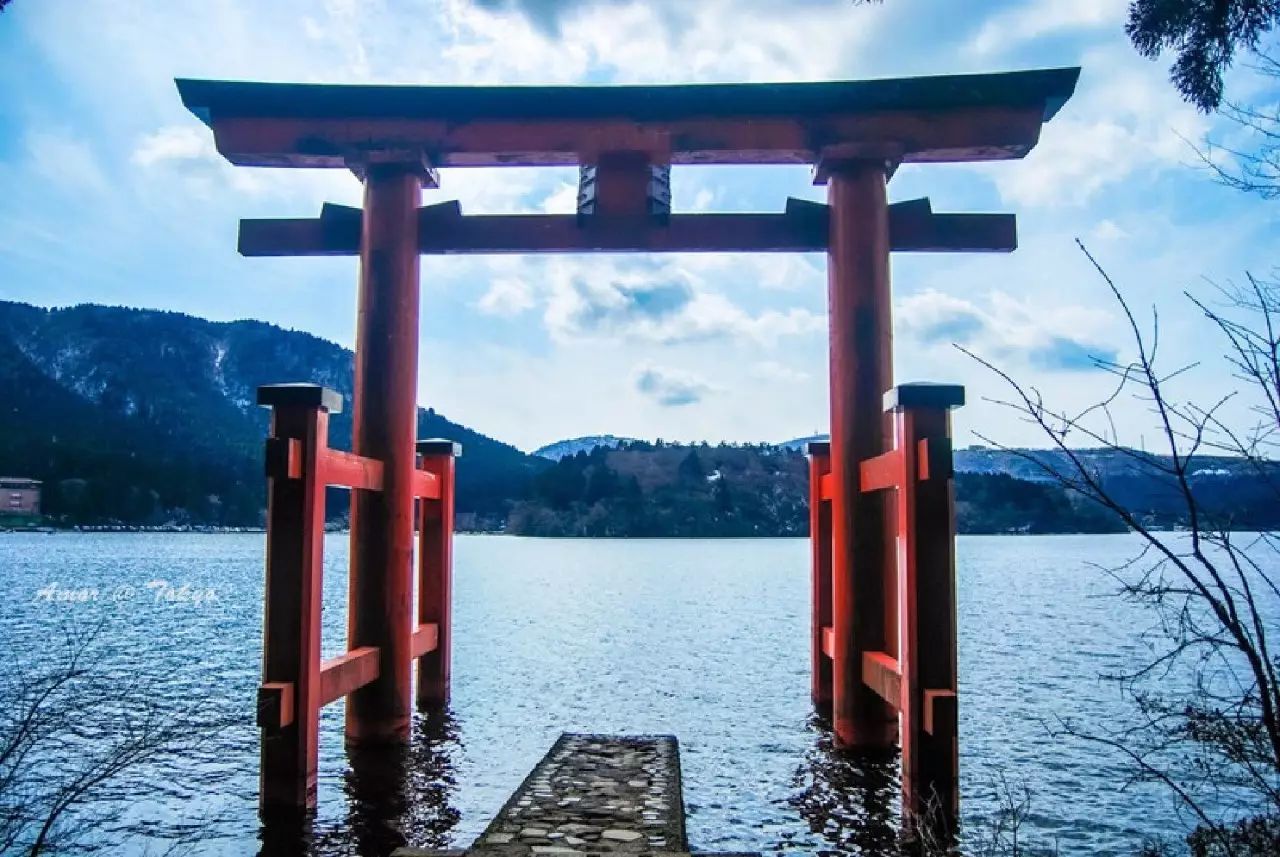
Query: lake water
705	639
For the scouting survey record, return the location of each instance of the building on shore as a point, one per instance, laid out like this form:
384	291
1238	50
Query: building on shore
19	496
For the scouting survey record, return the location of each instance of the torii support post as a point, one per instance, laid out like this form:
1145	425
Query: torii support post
384	423
289	699
861	373
435	571
296	683
924	513
820	566
919	679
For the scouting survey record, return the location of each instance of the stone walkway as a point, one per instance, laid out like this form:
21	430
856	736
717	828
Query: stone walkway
591	795
596	794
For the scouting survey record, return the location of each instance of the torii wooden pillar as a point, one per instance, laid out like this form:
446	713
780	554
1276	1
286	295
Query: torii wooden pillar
883	576
384	426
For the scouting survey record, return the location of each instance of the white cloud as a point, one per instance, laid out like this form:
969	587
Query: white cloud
188	151
1027	21
175	143
1125	120
657	302
670	387
1059	338
771	370
507	296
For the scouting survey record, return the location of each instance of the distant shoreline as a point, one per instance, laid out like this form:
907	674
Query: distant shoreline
227	531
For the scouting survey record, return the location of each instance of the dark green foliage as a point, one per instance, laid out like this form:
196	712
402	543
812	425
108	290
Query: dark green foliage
141	417
998	503
1205	35
1252	837
664	489
752	490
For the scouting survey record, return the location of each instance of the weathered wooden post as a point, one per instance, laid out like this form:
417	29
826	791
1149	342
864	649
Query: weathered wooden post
820	565
861	372
925	514
384	424
435	570
289	699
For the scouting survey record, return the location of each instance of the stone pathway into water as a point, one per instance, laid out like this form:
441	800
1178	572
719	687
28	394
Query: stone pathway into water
592	794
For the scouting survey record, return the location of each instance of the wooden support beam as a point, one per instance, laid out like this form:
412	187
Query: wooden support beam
348	673
426	638
934	459
426	486
275	705
820	574
828	642
925	525
443	229
435	572
941	715
881	472
824	487
348	470
291	623
283	458
881	673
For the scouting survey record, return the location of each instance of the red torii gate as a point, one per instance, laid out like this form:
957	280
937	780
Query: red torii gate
883	576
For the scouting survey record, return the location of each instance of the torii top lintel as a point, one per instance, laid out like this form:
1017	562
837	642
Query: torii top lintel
922	119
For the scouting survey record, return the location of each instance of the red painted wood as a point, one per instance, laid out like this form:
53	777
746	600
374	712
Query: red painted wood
677	233
881	673
825	487
820	582
940	714
291	624
426	485
881	472
861	371
344	674
383	428
931	768
276	705
435	581
425	639
622	184
828	642
347	470
923	136
911	701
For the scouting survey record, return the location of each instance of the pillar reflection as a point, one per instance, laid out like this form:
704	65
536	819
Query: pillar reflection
850	799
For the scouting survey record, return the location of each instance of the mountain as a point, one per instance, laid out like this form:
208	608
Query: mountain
147	417
1137	480
643	489
563	448
659	489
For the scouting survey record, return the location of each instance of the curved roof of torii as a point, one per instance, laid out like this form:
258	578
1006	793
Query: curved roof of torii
920	119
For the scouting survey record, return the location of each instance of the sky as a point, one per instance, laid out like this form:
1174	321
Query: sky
110	192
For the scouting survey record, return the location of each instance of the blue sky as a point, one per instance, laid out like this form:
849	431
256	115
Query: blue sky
110	192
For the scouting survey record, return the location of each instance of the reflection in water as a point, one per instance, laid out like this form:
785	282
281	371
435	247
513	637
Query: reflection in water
851	800
396	795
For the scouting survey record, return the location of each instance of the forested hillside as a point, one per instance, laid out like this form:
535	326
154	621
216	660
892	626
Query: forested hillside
139	417
643	489
145	417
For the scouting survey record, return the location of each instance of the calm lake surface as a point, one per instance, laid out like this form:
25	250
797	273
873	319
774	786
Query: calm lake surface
705	639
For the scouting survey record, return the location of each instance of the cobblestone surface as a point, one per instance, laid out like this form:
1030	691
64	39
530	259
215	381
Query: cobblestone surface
595	794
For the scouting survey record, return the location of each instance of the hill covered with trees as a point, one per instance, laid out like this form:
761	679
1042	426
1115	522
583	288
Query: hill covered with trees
143	417
644	489
147	418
